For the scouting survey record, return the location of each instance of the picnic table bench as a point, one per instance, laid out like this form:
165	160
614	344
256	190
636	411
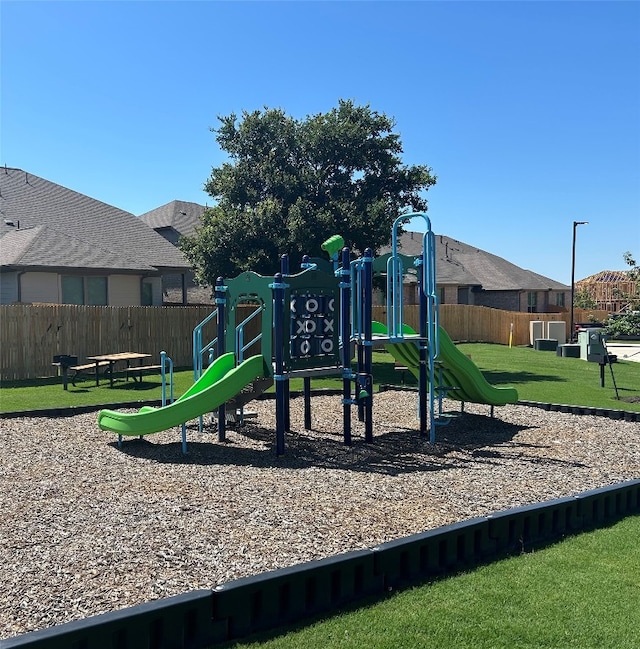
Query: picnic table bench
137	370
126	357
79	370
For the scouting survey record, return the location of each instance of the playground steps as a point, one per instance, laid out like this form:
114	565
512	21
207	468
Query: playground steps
251	392
444	418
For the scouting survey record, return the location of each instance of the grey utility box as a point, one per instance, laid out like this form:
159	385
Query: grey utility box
536	330
557	329
592	345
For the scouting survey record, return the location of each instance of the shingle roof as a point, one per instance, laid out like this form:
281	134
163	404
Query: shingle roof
39	247
462	264
57	227
182	216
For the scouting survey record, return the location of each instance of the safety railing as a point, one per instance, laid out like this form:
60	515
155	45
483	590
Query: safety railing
200	349
241	346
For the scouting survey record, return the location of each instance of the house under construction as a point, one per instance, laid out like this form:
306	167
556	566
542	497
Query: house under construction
610	289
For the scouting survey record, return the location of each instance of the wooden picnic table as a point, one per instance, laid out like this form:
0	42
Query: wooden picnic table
112	359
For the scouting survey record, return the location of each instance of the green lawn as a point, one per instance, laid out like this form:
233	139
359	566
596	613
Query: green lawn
580	593
538	376
543	376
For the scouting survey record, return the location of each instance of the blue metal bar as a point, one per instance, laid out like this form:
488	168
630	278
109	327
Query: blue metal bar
284	269
199	349
240	346
345	329
423	385
306	382
278	288
367	317
221	301
164	362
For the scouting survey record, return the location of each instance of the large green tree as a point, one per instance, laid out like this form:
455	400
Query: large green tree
290	184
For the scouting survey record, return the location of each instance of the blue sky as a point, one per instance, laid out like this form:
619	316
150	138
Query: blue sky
527	112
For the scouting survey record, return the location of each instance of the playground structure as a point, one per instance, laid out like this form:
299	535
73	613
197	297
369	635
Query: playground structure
318	322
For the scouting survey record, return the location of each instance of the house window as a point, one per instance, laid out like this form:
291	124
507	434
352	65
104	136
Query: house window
532	302
72	290
96	291
146	295
559	299
84	290
441	295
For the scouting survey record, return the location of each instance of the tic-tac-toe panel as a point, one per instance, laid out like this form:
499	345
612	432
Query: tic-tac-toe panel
313	329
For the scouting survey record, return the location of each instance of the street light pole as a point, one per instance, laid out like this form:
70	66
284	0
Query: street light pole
573	275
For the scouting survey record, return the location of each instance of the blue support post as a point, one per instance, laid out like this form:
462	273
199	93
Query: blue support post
366	309
423	385
278	288
345	333
429	290
284	270
357	331
221	302
306	382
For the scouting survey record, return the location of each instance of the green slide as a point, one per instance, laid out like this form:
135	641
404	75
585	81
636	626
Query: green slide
219	383
458	370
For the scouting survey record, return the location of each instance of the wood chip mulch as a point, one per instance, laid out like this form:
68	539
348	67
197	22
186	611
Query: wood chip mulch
87	528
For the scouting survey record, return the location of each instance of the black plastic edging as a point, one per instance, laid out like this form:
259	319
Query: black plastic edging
202	619
284	596
183	621
610	413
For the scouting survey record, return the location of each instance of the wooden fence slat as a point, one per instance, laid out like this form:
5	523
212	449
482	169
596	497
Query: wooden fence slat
31	334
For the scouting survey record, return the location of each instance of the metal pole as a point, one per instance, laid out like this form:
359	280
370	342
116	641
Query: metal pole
572	334
367	343
423	385
221	302
278	287
284	270
345	334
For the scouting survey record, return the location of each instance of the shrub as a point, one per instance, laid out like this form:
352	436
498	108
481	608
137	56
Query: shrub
627	324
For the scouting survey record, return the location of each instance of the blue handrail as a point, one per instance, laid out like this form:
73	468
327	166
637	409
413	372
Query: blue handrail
240	346
199	350
164	362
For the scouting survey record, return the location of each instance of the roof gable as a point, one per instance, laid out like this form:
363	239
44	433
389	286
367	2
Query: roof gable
94	234
182	216
459	263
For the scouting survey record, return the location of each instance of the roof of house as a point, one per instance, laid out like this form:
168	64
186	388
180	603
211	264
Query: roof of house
182	216
46	225
608	276
460	264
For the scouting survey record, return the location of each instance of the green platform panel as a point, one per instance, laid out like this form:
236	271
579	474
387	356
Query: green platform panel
250	288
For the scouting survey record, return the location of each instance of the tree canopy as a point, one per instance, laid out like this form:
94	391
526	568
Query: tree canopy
291	184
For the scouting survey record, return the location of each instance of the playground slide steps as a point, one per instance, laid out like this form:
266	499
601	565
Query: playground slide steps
249	393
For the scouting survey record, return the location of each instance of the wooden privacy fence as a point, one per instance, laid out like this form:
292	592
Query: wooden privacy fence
31	334
465	323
